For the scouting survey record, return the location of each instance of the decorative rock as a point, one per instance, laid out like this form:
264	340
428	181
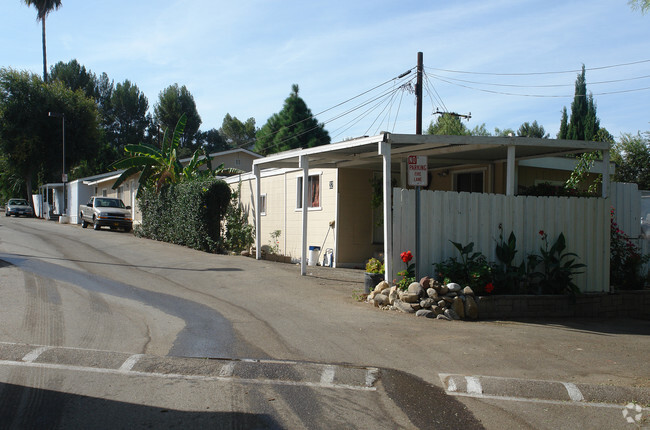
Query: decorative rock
468	291
471	308
381	286
392	295
443	317
407	297
416	288
438	310
448	299
443	290
432	293
416	306
385	291
442	303
458	306
403	307
425	313
449	313
427	303
372	295
380	300
451	294
453	287
424	282
435	285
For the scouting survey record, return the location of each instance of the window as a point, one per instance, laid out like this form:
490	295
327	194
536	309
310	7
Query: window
237	162
104	192
313	192
471	182
120	190
262	204
95	193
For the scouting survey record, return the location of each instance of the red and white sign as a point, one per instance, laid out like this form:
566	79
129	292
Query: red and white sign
417	170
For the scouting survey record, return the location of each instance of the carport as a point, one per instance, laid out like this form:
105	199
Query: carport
388	152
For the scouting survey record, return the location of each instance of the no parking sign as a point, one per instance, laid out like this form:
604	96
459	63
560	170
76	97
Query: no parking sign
417	170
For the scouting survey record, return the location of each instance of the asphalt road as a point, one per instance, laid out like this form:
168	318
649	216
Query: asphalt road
102	329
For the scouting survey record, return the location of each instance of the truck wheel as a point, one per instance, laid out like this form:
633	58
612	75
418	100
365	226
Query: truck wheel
84	224
96	225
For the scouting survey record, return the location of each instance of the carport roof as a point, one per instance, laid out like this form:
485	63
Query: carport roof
442	151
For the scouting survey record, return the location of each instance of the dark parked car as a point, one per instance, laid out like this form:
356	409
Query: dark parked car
18	207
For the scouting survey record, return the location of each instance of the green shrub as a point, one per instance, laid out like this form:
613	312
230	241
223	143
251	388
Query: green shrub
238	233
187	214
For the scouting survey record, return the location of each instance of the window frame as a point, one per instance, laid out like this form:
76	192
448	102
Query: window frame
299	184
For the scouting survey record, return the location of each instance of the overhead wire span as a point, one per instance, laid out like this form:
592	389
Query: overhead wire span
540	73
494	84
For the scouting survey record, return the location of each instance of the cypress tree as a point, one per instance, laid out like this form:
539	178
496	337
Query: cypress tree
564	126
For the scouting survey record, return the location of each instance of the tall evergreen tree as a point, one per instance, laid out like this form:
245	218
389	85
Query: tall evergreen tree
532	130
583	123
293	127
173	102
564	125
43	8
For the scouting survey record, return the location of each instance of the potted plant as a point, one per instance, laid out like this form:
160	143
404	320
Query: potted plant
374	274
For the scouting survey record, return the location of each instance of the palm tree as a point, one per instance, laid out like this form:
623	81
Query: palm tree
43	7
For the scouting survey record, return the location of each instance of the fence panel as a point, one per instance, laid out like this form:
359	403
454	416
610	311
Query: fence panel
484	218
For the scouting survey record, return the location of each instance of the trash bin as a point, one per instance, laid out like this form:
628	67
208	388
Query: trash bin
313	255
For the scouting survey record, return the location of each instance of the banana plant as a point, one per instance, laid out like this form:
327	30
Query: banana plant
156	166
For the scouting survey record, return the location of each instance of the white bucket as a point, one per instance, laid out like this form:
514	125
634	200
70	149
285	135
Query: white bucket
313	255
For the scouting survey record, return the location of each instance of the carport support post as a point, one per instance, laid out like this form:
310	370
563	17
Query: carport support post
258	217
510	171
605	173
304	165
384	151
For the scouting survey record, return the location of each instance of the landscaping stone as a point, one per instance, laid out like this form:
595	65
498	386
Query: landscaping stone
442	304
453	287
380	300
458	307
407	297
416	288
432	293
467	291
438	310
443	317
471	308
427	303
416	306
403	307
443	290
385	291
392	295
381	286
449	313
424	282
425	313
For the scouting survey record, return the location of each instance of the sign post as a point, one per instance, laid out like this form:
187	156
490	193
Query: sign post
417	177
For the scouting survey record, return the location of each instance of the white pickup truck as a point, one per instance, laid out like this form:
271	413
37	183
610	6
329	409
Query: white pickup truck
106	211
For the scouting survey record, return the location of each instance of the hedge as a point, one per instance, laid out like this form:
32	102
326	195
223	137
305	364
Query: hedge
188	214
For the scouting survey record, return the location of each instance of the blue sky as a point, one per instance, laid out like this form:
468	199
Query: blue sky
242	57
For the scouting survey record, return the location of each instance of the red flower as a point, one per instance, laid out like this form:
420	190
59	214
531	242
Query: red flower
489	288
406	256
541	232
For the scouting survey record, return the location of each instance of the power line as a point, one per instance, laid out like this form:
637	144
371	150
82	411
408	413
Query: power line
538	86
540	73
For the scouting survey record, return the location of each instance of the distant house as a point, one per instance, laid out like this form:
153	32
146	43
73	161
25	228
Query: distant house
336	211
80	190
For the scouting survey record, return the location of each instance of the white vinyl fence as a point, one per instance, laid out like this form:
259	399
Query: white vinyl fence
626	201
475	217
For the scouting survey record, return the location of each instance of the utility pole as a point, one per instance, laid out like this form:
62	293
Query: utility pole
418	95
418	130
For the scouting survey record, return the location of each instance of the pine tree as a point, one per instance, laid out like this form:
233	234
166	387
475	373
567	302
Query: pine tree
293	127
564	125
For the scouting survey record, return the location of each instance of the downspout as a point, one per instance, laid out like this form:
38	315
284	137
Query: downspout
510	171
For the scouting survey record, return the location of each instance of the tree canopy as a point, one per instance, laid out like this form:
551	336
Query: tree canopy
238	134
583	124
31	140
448	124
173	102
632	157
532	130
293	127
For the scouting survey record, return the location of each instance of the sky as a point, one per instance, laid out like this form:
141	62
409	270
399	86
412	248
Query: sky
242	57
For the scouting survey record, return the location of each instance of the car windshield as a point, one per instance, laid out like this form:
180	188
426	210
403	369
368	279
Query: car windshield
109	203
18	202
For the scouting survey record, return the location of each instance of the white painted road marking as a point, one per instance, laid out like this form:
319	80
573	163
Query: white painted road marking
227	370
33	355
130	362
327	377
574	392
473	385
